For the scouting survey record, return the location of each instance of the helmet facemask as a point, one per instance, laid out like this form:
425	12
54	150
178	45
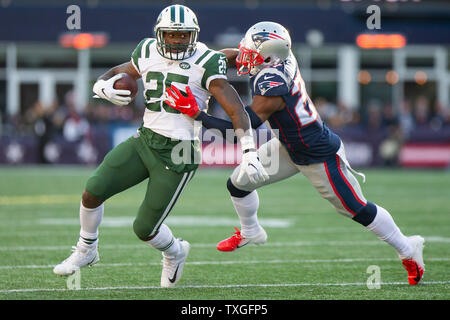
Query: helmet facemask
247	60
178	51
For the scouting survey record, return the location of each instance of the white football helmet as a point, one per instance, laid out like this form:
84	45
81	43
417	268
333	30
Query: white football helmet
264	44
176	18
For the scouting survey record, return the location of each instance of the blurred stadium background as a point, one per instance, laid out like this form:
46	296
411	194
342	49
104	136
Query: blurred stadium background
387	96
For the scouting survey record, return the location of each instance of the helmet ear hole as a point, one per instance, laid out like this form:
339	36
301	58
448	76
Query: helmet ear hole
267	60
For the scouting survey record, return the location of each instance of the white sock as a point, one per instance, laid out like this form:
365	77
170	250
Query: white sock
90	220
247	208
385	228
165	241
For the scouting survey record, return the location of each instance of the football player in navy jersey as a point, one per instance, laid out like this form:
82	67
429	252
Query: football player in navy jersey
303	144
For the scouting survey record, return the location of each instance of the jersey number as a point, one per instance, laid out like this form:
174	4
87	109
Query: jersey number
222	66
305	109
162	82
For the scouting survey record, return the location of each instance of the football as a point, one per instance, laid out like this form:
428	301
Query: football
127	82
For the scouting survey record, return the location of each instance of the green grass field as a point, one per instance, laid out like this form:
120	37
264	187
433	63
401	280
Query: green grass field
312	252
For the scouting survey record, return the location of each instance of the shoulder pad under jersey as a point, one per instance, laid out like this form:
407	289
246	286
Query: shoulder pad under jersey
271	82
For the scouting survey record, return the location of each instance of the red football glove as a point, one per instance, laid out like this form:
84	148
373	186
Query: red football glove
178	101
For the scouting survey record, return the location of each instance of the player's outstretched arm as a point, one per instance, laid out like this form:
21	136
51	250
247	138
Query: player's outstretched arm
225	95
264	107
233	106
260	110
231	54
230	101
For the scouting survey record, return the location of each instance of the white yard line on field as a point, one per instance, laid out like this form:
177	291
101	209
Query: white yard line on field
8	233
182	221
185	221
39	199
228	262
224	286
433	239
11	233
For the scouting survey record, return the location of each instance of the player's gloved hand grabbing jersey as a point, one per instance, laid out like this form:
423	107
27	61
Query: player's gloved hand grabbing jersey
186	105
105	89
250	164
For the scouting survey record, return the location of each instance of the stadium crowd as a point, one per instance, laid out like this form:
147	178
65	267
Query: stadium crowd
396	126
415	120
412	114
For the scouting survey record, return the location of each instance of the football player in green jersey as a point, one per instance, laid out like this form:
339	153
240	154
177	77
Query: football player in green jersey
173	57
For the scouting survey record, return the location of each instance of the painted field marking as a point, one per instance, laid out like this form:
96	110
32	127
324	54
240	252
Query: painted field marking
432	239
225	286
227	262
39	199
195	221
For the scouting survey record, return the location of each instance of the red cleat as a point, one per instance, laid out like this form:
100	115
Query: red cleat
415	272
237	241
414	265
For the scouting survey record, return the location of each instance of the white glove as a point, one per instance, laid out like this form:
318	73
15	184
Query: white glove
105	89
250	164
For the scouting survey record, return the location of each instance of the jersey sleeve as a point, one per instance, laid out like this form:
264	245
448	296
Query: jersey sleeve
215	68
271	83
141	51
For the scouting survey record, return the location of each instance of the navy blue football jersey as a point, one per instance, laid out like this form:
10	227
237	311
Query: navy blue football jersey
300	129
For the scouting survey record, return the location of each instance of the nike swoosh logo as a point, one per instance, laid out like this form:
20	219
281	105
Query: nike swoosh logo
90	263
417	279
186	107
174	275
103	90
238	246
266	77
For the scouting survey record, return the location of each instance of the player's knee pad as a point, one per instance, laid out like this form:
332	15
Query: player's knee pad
235	192
143	229
366	214
97	188
147	221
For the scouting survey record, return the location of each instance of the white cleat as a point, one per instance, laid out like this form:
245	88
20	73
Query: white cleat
173	266
238	241
83	255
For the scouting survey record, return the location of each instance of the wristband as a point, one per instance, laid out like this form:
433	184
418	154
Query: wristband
249	150
247	143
